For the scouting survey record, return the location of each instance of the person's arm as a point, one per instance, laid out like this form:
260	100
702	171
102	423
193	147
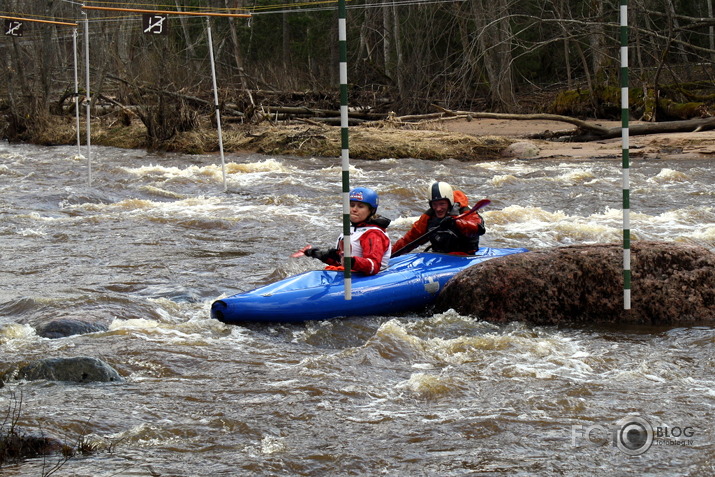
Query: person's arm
470	226
330	256
418	228
374	245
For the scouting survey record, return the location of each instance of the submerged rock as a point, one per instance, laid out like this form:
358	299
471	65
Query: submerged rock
16	445
672	284
81	369
63	327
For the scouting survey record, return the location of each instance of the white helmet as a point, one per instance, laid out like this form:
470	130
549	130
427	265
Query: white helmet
440	190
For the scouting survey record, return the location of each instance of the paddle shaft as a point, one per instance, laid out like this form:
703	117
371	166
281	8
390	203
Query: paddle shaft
432	231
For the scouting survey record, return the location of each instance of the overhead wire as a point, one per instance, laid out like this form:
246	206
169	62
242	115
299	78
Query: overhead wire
281	8
32	16
305	6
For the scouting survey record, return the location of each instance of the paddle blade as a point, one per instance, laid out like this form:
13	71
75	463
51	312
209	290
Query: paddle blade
481	203
300	253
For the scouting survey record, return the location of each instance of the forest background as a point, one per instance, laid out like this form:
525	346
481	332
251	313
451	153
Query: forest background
405	57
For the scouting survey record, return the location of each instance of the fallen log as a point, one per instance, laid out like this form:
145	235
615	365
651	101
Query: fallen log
586	131
688	125
579	123
321	113
331	121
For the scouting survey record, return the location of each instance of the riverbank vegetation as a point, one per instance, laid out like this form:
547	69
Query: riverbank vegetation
408	64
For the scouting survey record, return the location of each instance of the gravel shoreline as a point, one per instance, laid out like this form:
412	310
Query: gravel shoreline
462	139
699	144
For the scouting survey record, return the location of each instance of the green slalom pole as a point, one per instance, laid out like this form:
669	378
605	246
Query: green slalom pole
345	151
626	159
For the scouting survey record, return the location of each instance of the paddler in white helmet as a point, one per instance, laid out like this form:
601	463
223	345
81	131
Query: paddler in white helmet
439	226
369	242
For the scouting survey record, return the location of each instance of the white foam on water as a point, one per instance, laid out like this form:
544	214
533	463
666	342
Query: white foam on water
516	167
537	227
267	165
273	445
517	214
7	171
207	209
575	177
158	191
403	222
666	176
16	336
31	232
430	386
503	179
212	173
336	171
133	324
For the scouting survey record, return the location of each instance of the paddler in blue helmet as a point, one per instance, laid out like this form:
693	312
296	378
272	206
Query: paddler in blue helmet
370	244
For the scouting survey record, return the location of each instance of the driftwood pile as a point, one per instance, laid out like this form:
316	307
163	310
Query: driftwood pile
319	109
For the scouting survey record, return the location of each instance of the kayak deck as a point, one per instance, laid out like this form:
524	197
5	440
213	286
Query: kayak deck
411	282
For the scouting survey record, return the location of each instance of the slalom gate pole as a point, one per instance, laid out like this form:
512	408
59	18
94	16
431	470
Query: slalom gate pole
216	105
345	150
88	99
76	80
211	54
626	160
76	92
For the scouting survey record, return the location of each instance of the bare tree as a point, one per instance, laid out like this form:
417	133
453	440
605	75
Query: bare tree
495	44
711	29
402	56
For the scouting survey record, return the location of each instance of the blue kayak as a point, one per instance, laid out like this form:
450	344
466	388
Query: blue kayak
411	282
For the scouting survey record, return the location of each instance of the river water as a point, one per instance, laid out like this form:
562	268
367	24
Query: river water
154	240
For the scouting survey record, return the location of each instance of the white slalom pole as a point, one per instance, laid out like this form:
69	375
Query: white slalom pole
626	159
216	105
76	92
88	99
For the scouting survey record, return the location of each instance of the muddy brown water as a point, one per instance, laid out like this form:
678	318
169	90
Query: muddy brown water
148	247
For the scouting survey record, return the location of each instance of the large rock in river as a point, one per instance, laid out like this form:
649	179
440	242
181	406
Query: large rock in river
672	284
63	327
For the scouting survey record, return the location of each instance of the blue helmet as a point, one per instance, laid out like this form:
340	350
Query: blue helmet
368	196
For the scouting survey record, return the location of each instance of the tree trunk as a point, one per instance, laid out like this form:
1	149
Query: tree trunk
387	37
398	57
101	58
597	39
495	36
285	46
562	11
674	30
238	57
191	53
711	31
10	77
